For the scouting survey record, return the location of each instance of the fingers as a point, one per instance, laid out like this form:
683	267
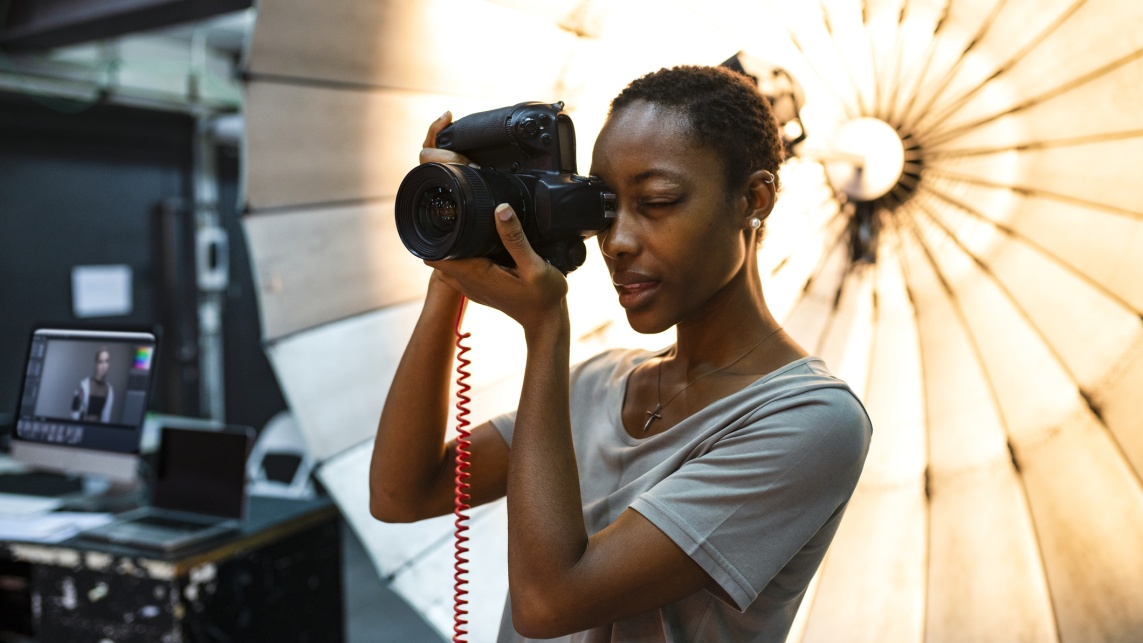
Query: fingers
514	240
442	122
433	155
429	151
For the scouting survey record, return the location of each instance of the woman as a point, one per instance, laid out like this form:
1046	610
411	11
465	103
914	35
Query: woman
685	495
94	396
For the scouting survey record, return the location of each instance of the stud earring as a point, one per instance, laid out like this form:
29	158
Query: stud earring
755	223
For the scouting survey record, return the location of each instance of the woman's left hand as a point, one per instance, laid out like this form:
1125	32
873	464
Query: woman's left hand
532	293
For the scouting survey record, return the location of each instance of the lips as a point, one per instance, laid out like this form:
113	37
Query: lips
634	288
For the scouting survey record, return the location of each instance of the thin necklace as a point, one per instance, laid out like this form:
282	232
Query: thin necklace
654	414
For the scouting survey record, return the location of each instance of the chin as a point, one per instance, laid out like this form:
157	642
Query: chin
646	324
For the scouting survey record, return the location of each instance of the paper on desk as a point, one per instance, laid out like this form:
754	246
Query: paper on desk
49	527
13	505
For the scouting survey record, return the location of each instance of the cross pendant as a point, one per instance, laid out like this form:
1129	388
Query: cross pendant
653	415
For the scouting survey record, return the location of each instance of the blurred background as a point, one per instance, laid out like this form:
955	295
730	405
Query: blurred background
959	235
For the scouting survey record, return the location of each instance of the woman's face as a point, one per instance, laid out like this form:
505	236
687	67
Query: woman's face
677	239
102	364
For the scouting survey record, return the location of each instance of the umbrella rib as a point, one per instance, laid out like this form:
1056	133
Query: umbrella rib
924	71
984	267
946	112
1038	192
850	76
828	247
979	355
949	75
872	58
939	153
897	227
1079	81
1015	234
895	79
845	106
838	214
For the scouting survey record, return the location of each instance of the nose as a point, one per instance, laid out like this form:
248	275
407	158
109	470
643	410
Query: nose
621	238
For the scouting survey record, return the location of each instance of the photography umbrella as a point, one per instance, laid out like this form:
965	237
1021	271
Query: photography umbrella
958	234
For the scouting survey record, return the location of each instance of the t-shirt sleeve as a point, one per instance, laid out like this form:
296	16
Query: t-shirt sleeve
745	507
504	423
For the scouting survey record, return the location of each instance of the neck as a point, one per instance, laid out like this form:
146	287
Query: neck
731	322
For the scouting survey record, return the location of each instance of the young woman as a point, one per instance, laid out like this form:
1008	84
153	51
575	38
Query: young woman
687	495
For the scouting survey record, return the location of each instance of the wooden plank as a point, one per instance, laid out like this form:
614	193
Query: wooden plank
456	47
316	266
335	377
416	558
316	145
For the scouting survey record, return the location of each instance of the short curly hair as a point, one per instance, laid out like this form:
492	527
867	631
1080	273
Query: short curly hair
725	110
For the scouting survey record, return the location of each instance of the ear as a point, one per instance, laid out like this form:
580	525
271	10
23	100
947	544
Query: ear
760	195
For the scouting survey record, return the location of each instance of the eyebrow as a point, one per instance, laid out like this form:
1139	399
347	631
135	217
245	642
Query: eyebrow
655	173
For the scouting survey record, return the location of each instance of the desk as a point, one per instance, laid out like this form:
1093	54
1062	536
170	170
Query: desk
278	579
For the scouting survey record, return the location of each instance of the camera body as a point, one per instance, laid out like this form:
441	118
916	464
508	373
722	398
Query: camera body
526	157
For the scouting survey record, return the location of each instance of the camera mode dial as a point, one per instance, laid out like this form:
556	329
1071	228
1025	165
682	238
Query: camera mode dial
528	128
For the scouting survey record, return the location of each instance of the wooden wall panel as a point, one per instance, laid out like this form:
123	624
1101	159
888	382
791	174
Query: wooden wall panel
458	47
316	266
316	145
335	377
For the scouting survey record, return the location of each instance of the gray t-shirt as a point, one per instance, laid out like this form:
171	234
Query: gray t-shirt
751	487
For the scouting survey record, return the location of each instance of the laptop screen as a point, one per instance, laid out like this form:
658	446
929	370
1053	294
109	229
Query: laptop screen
203	471
86	389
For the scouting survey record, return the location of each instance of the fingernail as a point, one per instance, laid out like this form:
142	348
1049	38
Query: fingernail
503	212
445	115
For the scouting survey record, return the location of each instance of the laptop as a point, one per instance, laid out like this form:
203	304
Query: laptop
198	495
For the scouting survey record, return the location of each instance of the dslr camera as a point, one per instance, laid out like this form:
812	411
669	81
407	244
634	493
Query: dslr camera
526	158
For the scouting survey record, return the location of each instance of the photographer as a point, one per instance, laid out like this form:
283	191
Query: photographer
684	495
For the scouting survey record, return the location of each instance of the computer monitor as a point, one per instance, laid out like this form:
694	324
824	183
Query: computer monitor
83	399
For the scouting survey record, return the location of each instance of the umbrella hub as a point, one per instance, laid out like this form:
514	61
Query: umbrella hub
867	159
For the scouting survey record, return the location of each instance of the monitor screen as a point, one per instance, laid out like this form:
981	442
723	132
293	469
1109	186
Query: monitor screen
83	390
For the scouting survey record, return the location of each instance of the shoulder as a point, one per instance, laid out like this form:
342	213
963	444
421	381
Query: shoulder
812	414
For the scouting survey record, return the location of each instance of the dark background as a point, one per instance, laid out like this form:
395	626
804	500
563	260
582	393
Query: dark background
102	184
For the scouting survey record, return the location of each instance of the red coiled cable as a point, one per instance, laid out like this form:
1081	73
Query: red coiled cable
460	503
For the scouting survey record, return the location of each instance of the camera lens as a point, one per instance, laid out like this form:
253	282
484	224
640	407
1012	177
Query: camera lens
437	211
444	210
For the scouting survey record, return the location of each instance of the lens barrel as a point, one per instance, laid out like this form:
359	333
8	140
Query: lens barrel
445	210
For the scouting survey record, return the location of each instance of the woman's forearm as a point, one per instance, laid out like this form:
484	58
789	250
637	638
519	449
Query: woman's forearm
409	450
546	533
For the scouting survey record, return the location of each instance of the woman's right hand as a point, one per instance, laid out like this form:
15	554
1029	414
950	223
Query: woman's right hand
431	154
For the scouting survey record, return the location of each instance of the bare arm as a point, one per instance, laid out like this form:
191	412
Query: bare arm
411	473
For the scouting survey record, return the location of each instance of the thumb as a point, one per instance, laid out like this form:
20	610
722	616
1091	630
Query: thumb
513	237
